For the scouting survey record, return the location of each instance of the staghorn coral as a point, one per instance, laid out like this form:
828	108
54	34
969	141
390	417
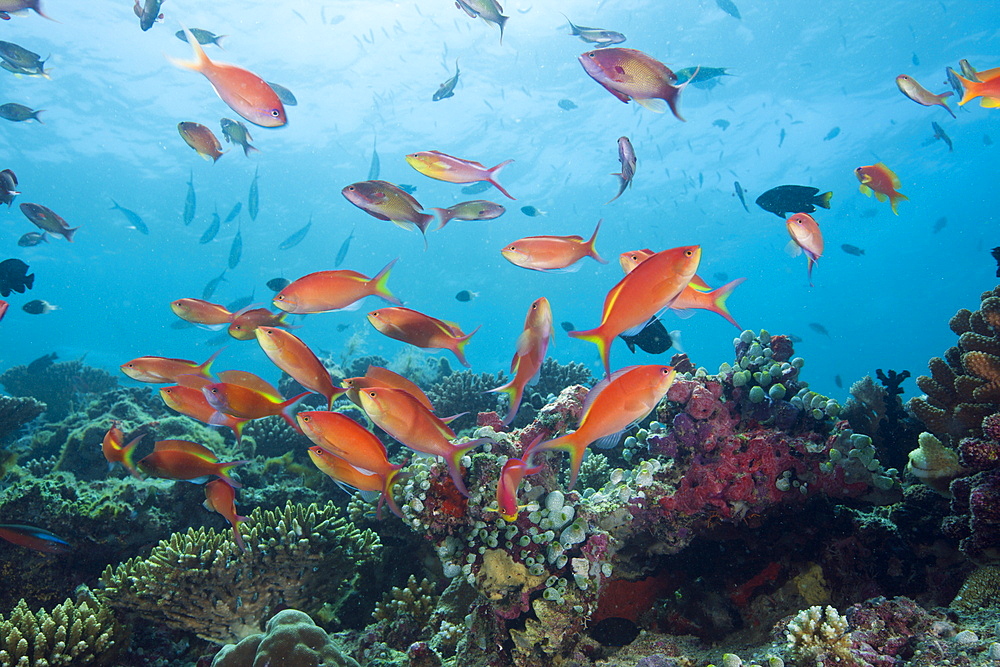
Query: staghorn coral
58	385
290	638
15	412
84	632
465	391
201	582
404	613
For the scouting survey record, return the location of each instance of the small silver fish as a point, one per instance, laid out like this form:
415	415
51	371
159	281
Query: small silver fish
444	91
598	36
626	155
488	10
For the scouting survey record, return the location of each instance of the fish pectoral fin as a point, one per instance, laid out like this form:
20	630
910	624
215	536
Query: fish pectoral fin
683	313
990	102
865	190
409	226
881	196
792	249
653	104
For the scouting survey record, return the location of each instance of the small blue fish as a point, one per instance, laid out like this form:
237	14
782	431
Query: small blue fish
444	91
741	193
409	189
189	202
832	134
132	217
376	165
721	123
729	7
253	199
474	189
296	238
568	105
211	286
234	211
532	212
236	250
212	231
344	247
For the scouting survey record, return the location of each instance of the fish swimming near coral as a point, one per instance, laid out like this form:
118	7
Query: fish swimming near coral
340	289
116	451
220	497
165	370
294	357
511	475
35	538
420	330
807	238
552	253
528	355
188	461
652	339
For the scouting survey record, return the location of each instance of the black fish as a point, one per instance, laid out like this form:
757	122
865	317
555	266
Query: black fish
653	339
278	284
995	252
939	133
8	187
794	338
819	328
466	295
14	277
721	276
786	199
728	7
852	250
741	193
41	363
837	381
149	13
568	326
38	307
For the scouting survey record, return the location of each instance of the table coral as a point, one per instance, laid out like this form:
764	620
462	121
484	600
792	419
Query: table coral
84	632
200	581
290	638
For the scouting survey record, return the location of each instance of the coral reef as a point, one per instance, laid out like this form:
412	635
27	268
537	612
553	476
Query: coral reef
405	612
84	632
465	391
15	412
818	636
57	384
876	410
200	581
290	638
981	589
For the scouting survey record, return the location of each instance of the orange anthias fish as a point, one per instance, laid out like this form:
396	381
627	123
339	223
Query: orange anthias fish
339	435
552	253
988	88
31	537
165	370
385	201
696	296
805	234
245	92
294	357
529	355
198	311
187	461
201	139
246	402
444	167
879	179
324	291
246	321
342	472
652	286
221	497
421	330
407	420
630	74
511	475
116	451
191	402
611	406
376	376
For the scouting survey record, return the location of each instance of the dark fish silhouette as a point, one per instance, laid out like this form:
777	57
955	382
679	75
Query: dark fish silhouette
444	91
819	328
132	217
236	250
190	201
852	250
278	284
728	7
253	197
568	326
296	238
741	193
653	339
466	295
940	224
344	248
832	134
475	188
38	307
995	252
14	277
212	230
234	211
30	239
786	199
567	105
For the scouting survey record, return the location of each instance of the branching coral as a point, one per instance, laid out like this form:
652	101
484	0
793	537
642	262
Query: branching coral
56	384
84	632
15	412
291	638
404	612
818	636
201	582
465	391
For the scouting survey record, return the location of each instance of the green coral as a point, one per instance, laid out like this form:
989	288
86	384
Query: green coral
15	412
200	581
58	385
291	638
465	391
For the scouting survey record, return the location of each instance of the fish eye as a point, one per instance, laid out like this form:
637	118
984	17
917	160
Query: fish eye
275	113
372	394
351	188
591	54
306	419
688	253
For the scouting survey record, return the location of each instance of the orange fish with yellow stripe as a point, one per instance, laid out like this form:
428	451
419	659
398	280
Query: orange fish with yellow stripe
416	328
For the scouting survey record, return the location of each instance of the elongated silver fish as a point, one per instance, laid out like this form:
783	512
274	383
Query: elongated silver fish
626	155
296	238
597	36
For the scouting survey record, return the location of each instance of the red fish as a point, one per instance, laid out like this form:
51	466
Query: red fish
188	461
245	402
421	330
633	75
201	139
246	93
199	311
246	321
552	253
3	308
529	355
191	402
611	406
165	370
324	291
652	286
444	167
988	88
342	472
805	234
511	475
116	451
342	437
879	179
221	497
31	537
403	417
294	357
376	376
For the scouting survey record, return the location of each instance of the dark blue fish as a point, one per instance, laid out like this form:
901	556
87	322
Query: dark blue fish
532	212
721	276
819	328
212	230
295	238
212	284
408	189
728	7
234	211
939	133
132	217
837	381
445	90
741	193
30	239
278	284
781	137
14	277
31	537
240	303
721	123
236	250
568	105
940	224
344	247
189	202
832	134
466	295
568	326
852	250
652	339
376	165
915	60
253	199
476	188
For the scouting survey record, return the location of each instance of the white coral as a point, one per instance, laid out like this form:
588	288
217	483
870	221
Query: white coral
816	634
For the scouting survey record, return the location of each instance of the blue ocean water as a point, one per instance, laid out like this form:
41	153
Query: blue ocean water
364	72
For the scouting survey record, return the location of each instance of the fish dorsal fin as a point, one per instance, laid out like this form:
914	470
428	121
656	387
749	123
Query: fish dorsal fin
397	381
187	447
250	381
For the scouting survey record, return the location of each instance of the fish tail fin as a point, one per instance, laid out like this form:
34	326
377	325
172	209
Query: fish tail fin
237	426
971	90
590	245
502	22
201	60
288	406
236	533
603	344
247	149
34	115
128	456
218	41
823	200
494	172
69	233
379	284
205	368
568	444
394	477
720	296
894	200
454	460
942	102
810	263
223	470
622	184
514	394
444	215
459	347
672	96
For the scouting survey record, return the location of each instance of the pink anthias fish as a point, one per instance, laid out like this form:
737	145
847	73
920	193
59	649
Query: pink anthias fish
806	236
444	167
629	74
